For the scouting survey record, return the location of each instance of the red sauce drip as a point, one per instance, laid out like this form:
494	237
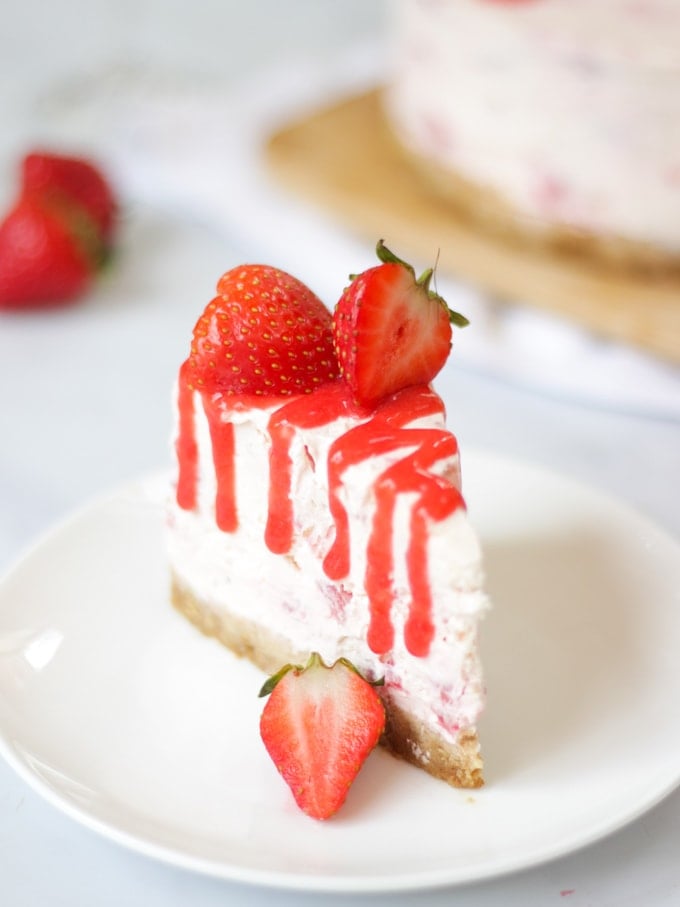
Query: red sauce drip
185	445
381	434
438	498
435	498
222	439
383	431
379	569
278	533
310	411
419	629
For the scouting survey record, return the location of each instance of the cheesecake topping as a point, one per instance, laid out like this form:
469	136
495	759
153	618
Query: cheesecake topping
286	356
380	431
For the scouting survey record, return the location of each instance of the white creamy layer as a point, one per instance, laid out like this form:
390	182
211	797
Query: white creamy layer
569	109
291	595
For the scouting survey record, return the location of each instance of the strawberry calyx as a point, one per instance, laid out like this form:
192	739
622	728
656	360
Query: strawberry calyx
391	330
314	661
319	726
79	179
78	222
269	684
386	256
40	263
58	234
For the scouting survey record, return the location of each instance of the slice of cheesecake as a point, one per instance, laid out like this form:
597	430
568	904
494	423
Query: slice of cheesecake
307	520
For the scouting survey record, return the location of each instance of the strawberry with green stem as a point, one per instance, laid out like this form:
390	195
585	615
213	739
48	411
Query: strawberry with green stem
40	263
57	234
319	725
64	180
391	330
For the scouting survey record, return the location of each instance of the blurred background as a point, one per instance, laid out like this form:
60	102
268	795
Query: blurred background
217	40
177	102
173	102
177	105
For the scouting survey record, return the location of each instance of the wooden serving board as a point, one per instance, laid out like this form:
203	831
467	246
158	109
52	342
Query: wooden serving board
343	158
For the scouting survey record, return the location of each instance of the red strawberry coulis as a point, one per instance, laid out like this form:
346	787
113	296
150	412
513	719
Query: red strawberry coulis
383	430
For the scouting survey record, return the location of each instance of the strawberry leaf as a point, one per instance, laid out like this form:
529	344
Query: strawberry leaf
272	681
387	256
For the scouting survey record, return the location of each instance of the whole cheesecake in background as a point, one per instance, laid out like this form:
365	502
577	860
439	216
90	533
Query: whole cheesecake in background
553	122
318	504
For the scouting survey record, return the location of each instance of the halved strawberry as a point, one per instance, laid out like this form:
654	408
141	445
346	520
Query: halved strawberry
390	330
319	726
265	333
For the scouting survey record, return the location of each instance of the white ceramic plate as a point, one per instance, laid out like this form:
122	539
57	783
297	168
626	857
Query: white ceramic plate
120	713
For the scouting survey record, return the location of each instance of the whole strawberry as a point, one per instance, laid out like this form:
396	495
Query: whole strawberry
391	330
60	179
265	333
319	725
57	234
40	263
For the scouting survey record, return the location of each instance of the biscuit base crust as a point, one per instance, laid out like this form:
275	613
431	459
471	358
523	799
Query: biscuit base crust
495	215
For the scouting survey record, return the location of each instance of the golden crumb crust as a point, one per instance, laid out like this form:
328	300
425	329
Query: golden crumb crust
459	764
492	213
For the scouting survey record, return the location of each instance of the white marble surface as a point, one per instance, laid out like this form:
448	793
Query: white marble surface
84	405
